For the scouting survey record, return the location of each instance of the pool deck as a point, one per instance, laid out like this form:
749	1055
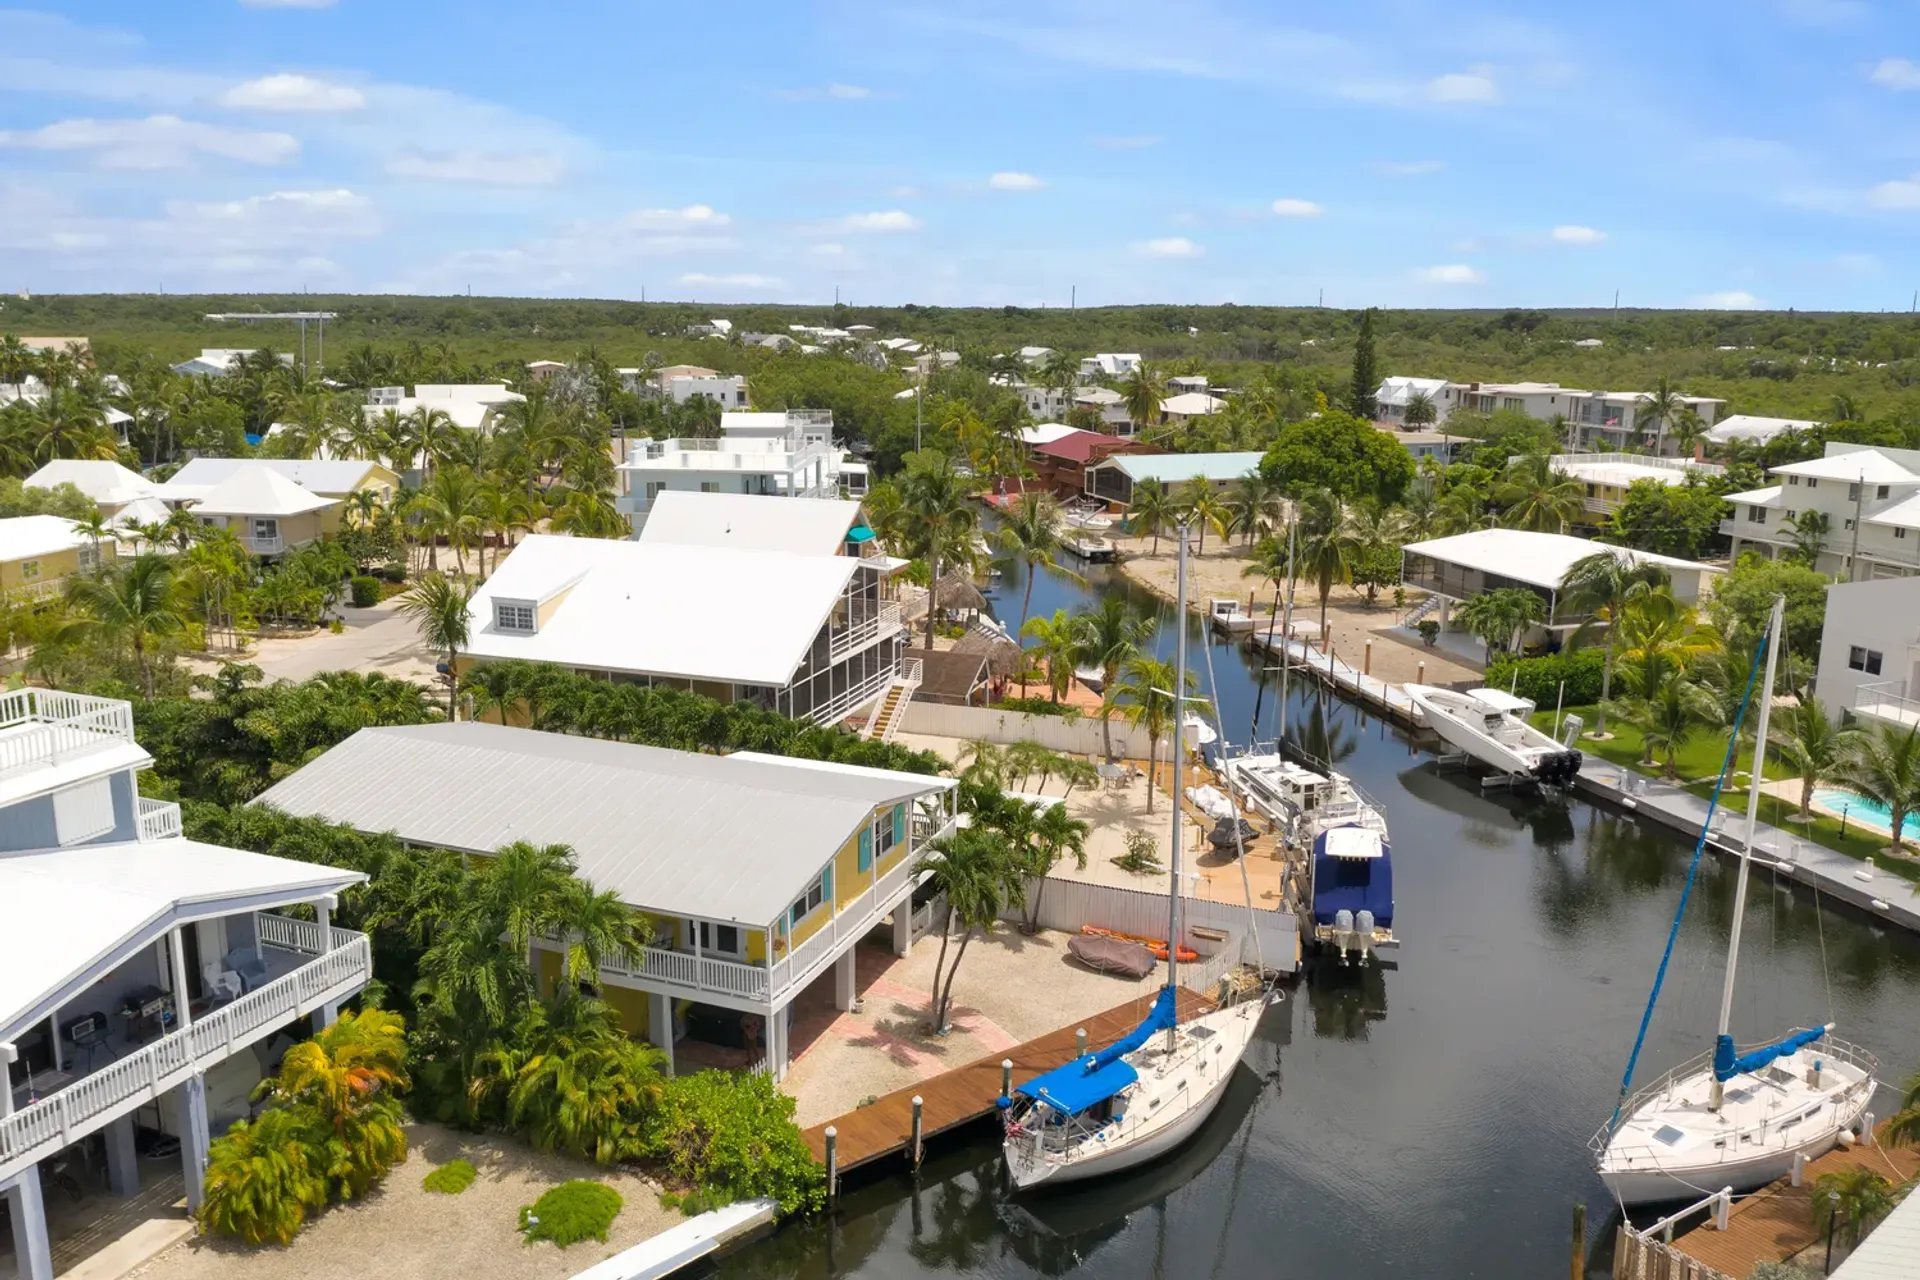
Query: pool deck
1871	889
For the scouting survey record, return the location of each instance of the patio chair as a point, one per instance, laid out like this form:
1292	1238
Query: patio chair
223	985
252	970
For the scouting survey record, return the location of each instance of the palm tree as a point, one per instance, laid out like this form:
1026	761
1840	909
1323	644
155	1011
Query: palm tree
451	506
1688	430
1269	563
1810	529
95	526
1204	508
1143	391
135	605
1853	1199
1056	639
1814	745
1667	715
1903	1127
1326	550
438	606
351	1074
1255	508
586	1098
1376	528
1844	408
1463	508
1153	508
1055	834
595	925
1030	529
1499	618
1660	407
1108	638
429	435
1145	699
982	878
1603	586
1420	411
1538	497
1884	766
937	509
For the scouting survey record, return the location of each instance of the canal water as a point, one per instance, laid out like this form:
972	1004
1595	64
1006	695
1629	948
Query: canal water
1429	1118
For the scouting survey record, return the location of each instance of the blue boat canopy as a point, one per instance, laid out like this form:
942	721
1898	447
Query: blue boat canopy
1091	1080
1352	871
1726	1065
859	533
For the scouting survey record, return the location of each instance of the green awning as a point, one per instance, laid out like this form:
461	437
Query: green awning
859	533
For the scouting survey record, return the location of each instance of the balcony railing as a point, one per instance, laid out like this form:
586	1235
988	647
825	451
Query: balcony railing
842	642
266	546
834	710
43	1127
44	726
1887	700
159	819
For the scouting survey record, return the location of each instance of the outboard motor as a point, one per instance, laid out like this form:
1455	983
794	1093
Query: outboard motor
1343	930
1363	936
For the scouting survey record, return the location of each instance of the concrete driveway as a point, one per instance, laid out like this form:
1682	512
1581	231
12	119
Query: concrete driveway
379	639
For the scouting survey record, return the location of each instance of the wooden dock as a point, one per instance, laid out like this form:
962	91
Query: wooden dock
966	1093
1376	694
1777	1223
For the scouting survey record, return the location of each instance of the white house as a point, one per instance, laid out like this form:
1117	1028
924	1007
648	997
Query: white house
1595	420
1394	393
141	973
708	607
269	513
112	487
1870	496
1034	357
1751	429
1870	651
469	405
1108	403
1608	476
785	454
1189	405
1109	364
728	393
759	873
214	362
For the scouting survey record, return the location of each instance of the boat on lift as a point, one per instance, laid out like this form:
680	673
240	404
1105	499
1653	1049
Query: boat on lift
1302	802
1231	617
1091	516
1144	1096
1491	726
1730	1118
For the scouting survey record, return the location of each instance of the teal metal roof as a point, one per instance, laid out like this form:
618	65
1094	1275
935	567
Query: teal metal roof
1176	468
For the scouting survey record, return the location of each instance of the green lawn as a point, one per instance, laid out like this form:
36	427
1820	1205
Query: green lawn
1699	764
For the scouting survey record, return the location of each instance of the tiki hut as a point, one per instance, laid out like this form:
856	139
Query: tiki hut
1004	658
957	594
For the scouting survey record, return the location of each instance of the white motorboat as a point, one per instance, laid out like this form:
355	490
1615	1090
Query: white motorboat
1302	802
1140	1098
1733	1118
1092	677
1090	546
1087	515
1231	617
1492	727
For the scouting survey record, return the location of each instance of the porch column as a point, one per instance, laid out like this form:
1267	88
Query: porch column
31	1249
903	925
123	1160
190	1110
845	984
53	1038
182	993
777	1043
660	1024
8	1056
323	913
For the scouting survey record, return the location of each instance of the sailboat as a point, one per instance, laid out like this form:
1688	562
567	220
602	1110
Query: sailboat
1730	1118
1153	1089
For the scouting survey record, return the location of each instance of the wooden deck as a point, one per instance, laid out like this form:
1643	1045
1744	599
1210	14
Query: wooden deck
967	1092
1777	1222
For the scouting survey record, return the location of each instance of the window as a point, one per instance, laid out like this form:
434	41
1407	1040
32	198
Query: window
513	616
653	490
1513	402
1849	523
1881	492
265	530
809	902
1867	660
1812	483
1853	491
1899	533
1792	514
1793	479
718	939
29	570
709	486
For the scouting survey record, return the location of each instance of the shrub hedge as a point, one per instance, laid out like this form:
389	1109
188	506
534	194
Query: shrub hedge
366	591
571	1212
1539	678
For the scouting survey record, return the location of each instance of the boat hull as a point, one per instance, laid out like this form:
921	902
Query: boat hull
1545	763
1646	1186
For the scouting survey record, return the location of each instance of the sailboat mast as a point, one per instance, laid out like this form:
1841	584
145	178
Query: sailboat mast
1756	776
1179	764
1286	632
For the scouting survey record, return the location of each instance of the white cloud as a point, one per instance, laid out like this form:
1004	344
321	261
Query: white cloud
1451	273
1473	85
692	218
1127	142
828	93
1169	247
831	250
1726	300
1903	193
1010	180
156	142
484	168
1896	73
1291	208
889	221
1410	168
335	212
1575	234
293	93
742	279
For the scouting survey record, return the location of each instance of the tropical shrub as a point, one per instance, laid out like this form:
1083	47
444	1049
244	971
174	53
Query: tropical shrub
264	1177
451	1178
571	1212
1034	707
348	1079
733	1138
1538	679
366	591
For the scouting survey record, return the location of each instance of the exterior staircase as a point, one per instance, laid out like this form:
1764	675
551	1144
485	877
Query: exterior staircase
1426	607
891	707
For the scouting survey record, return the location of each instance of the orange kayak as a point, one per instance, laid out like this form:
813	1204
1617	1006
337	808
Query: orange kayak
1158	946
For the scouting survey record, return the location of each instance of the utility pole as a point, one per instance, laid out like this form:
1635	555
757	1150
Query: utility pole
1616	300
1073	299
1859	500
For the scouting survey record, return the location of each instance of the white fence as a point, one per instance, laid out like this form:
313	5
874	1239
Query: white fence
1068	904
159	819
48	724
1080	736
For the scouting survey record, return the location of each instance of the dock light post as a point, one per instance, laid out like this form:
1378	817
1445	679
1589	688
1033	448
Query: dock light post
833	1165
1833	1211
1844	810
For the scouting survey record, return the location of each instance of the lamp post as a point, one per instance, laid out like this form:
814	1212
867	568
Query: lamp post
1833	1211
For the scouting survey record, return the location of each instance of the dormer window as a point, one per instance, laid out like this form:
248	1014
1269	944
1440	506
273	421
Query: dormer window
513	615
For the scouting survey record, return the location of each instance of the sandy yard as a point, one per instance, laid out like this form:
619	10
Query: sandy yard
1012	988
1350	622
401	1229
378	640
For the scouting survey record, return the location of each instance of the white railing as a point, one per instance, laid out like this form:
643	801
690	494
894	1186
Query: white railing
267	546
698	973
801	965
837	709
43	1127
292	934
159	819
910	672
1887	700
48	725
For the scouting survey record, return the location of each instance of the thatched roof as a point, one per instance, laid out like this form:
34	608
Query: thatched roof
1004	657
958	592
949	675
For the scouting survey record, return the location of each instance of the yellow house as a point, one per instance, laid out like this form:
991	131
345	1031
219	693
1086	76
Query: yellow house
269	513
39	553
758	873
327	477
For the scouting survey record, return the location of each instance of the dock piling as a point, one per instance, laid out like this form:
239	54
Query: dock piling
1577	1254
1006	1072
1420	672
919	1107
1366	661
1080	1043
833	1165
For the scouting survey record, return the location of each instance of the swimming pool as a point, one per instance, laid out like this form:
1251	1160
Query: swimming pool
1868	813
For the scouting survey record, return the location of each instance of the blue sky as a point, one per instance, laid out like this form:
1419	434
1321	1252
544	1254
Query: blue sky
1413	153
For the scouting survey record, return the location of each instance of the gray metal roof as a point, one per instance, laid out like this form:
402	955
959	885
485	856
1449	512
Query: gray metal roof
669	831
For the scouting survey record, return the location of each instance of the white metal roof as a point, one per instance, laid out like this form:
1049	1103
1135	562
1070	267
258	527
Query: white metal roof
1747	426
317	475
671	831
1871	466
1891	1251
1538	558
105	481
1176	468
253	489
703	613
1097	395
750	521
1192	403
23	537
1399	389
1045	432
470	392
1767	497
1624	469
65	911
1901	515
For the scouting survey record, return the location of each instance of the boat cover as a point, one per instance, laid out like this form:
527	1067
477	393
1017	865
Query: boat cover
1726	1065
1352	871
1112	955
1087	1081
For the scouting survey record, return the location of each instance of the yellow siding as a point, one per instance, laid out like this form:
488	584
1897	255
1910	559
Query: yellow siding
892	857
547	973
54	566
810	926
632	1008
849	882
756	946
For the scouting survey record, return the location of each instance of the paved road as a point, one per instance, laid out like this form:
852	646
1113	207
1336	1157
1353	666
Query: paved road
377	639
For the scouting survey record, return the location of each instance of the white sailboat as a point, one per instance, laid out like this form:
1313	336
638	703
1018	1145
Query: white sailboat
1145	1095
1728	1118
1492	727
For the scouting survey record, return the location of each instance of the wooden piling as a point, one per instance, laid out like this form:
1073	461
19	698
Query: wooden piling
919	1126
1577	1252
833	1165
